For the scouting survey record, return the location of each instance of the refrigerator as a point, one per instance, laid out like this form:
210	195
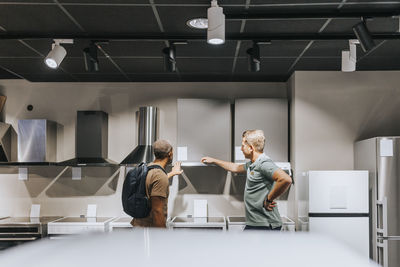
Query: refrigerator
380	156
339	207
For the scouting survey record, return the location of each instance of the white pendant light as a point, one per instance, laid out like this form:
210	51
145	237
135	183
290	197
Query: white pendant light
55	56
216	24
57	53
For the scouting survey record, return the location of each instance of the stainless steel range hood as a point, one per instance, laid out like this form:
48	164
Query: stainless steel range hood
5	135
5	142
37	142
147	134
91	145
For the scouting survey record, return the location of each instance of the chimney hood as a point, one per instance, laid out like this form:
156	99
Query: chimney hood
6	134
91	143
147	134
37	142
5	142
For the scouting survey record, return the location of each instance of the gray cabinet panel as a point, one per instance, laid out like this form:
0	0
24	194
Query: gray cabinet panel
269	115
204	127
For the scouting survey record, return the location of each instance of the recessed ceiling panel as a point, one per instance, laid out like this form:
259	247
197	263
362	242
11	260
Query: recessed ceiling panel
113	2
127	48
14	48
205	65
319	64
283	26
200	2
115	19
141	65
35	18
257	2
77	65
276	48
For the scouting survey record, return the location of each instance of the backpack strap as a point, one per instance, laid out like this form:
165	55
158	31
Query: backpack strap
155	166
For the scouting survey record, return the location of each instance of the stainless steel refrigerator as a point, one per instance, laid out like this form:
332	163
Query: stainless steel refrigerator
381	157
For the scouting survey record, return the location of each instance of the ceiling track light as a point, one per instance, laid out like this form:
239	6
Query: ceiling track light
90	58
364	36
349	57
169	58
216	24
253	56
57	53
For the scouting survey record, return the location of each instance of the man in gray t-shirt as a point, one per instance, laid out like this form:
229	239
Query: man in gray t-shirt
265	182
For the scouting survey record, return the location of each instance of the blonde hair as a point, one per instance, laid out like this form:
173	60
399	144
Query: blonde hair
255	138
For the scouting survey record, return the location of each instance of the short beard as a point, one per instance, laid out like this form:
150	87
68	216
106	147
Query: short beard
169	160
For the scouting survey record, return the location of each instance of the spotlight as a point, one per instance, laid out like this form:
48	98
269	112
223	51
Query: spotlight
57	53
253	55
216	24
349	57
90	57
169	58
198	23
364	36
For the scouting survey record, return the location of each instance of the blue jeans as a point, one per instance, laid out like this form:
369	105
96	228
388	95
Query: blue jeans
269	228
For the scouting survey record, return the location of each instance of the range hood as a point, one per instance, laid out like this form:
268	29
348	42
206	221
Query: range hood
147	134
5	142
91	143
37	142
6	132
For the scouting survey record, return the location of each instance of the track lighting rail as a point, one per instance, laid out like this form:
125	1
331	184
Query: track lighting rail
340	14
172	37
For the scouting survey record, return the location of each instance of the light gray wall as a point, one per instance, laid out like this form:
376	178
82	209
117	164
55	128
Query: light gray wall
330	111
272	117
60	101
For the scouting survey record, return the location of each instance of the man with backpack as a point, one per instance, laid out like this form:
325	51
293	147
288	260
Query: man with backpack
156	187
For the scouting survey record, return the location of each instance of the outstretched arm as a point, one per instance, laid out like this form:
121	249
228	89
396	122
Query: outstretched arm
229	166
176	170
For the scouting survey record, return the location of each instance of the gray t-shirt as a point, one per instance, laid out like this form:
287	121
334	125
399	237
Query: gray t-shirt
259	183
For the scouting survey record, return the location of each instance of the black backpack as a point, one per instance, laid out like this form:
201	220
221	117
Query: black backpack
134	199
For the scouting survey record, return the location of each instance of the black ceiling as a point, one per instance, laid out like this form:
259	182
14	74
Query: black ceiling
142	61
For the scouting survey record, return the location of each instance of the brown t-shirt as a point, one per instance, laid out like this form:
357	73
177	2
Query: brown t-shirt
157	185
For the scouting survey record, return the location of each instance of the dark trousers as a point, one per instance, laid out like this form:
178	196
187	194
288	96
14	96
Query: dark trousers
269	228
